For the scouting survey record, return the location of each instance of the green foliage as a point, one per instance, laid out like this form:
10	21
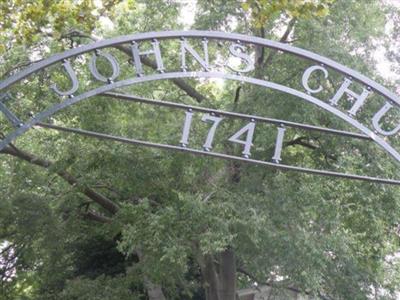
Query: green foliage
321	235
29	21
263	11
114	288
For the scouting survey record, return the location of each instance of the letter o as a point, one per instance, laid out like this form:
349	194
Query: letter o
114	65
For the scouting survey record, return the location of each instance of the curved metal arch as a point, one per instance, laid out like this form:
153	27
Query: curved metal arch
267	84
202	34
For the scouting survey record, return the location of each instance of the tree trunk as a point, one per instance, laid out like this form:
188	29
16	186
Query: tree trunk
210	276
153	291
227	275
219	277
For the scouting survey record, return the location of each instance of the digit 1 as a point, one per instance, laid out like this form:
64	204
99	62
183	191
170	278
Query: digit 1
210	136
186	128
249	128
278	145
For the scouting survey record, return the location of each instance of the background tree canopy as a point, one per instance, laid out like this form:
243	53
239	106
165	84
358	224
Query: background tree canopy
89	219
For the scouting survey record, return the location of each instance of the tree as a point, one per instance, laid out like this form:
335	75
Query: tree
84	218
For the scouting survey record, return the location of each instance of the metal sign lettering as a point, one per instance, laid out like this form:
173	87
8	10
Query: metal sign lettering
195	61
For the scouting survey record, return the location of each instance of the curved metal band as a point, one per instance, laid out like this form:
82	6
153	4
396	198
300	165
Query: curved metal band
202	34
39	117
282	167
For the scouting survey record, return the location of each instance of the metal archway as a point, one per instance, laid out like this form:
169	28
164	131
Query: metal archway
377	135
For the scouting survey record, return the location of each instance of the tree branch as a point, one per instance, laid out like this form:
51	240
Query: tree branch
291	288
154	291
283	39
300	141
90	215
18	66
260	50
237	96
90	193
251	276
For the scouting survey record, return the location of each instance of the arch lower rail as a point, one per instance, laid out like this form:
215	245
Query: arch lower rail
282	167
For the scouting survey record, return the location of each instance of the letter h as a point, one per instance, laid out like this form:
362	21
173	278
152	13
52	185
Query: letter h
136	56
360	99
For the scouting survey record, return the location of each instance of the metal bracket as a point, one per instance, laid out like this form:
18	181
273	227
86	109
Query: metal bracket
9	114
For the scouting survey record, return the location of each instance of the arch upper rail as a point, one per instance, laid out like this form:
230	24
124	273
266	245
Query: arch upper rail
201	34
164	76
